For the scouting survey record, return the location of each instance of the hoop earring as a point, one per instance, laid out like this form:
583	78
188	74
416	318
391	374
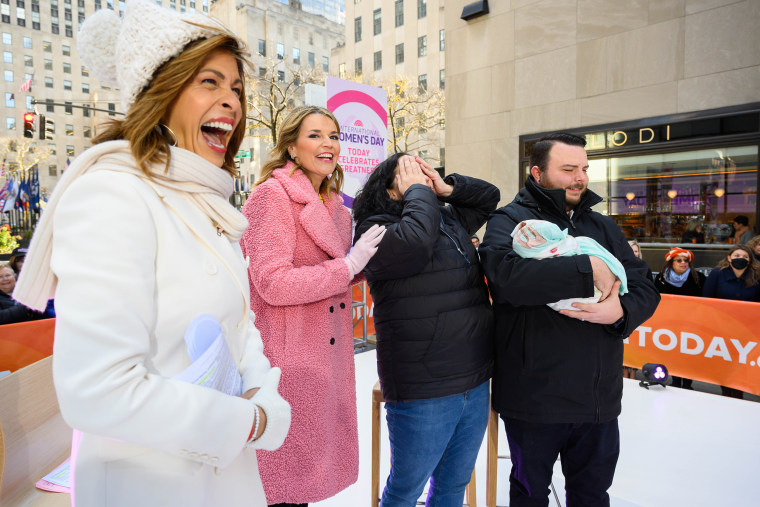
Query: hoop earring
174	136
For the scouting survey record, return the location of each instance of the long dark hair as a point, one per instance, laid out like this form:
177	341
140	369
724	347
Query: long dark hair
373	198
751	273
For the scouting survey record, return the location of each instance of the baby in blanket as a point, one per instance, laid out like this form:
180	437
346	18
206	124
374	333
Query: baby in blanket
550	241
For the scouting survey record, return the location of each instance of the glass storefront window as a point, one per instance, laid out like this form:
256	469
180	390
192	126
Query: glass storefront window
683	197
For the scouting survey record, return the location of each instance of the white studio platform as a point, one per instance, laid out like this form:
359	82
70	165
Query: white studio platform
678	448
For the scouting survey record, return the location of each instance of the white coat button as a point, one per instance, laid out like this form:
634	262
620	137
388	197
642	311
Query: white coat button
210	268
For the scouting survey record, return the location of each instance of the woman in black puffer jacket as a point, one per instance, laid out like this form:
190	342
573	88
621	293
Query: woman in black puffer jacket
433	322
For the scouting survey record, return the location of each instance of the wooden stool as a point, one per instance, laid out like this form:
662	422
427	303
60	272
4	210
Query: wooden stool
377	399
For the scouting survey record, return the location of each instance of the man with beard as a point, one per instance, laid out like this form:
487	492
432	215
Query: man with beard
558	380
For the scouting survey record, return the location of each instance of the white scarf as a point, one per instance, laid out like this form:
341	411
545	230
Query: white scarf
205	185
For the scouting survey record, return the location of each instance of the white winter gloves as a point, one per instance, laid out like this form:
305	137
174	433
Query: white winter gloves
277	411
364	249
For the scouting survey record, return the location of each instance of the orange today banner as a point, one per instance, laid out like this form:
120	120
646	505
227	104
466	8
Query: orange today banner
25	343
358	311
713	340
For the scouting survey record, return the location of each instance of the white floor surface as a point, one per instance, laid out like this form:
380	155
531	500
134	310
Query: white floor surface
678	448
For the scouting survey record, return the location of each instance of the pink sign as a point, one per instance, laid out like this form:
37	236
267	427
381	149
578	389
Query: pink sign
362	113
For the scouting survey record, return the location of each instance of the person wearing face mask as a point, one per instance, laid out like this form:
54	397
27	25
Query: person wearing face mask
139	239
301	272
737	276
677	277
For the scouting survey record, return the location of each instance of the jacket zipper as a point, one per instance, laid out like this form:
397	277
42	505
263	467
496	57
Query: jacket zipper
459	248
596	383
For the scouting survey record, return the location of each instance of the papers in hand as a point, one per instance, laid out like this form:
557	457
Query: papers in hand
213	365
58	480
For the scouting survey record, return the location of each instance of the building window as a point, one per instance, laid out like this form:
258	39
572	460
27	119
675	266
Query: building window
262	47
7	57
51	147
67	85
358	66
69	149
442	39
52	170
28	61
357	29
7	39
442	156
296	56
66	68
10	123
311	59
399	13
422	46
86	111
442	79
342	71
47	46
421	9
27	43
49	107
377	20
67	108
66	50
86	131
280	76
69	132
10	100
262	72
86	88
111	109
378	60
9	76
400	53
48	64
280	51
422	82
326	64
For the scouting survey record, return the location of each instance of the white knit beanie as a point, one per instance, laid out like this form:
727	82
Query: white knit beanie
125	53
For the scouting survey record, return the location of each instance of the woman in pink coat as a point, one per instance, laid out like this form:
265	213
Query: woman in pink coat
301	271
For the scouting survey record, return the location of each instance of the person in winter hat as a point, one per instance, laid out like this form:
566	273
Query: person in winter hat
137	241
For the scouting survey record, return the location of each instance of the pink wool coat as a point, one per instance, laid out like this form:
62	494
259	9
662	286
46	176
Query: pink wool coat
300	292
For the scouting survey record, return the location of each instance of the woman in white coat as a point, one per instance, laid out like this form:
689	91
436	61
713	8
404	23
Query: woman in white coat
138	239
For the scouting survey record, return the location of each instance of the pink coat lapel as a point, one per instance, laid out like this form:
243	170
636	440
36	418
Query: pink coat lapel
322	222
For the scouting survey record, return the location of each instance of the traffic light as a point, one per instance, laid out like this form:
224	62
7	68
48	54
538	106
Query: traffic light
47	128
29	124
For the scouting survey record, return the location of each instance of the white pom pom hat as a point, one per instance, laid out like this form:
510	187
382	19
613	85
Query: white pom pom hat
125	53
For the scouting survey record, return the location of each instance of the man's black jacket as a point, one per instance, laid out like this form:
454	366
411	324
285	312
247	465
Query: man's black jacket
432	314
551	368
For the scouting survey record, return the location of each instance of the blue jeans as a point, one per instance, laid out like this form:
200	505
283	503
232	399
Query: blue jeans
588	453
439	437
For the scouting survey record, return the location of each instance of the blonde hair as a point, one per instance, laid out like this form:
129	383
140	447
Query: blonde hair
751	244
140	127
633	242
287	137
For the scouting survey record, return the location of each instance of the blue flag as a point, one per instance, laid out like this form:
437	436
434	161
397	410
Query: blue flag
34	190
